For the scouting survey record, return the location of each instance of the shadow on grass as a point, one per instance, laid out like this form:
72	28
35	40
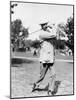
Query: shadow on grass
16	62
70	62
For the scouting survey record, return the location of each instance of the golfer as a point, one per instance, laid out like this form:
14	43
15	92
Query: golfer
47	58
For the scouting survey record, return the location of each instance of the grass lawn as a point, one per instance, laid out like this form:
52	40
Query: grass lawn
28	54
24	73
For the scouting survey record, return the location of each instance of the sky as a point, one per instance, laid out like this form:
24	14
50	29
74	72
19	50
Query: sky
34	14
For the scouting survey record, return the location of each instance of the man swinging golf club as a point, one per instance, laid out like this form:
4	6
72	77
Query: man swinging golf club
47	58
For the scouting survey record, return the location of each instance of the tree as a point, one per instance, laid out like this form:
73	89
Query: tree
70	32
18	33
16	27
36	44
61	27
28	43
25	32
61	36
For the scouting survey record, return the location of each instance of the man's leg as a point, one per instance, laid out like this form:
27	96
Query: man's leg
43	71
52	77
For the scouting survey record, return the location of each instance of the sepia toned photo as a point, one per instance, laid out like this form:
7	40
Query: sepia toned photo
41	49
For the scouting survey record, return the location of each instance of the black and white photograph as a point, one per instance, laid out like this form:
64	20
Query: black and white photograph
41	49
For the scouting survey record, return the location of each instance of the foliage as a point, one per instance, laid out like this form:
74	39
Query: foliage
70	32
36	44
28	43
16	28
61	30
62	26
59	43
18	33
68	28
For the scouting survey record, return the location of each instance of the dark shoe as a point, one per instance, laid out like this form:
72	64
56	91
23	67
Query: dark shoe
57	83
35	87
53	93
49	92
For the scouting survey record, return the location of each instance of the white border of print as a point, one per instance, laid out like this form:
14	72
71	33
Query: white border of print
5	49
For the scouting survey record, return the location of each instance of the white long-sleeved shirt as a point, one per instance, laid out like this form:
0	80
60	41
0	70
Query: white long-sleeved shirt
47	52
